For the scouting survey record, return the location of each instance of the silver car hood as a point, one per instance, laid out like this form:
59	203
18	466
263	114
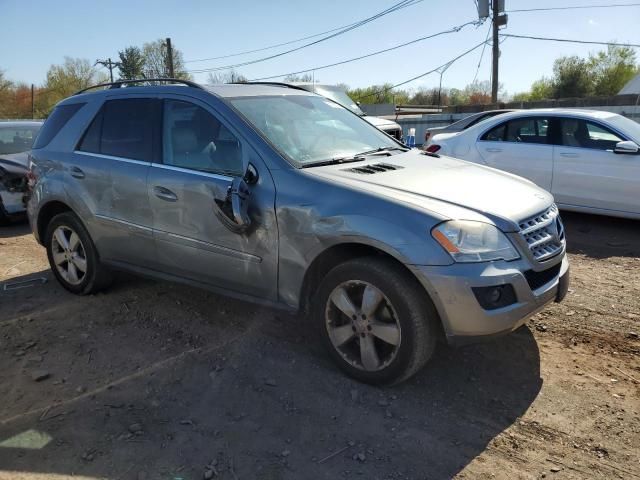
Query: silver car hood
449	187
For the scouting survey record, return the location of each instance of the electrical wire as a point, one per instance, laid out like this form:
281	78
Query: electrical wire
450	62
389	10
475	77
567	40
575	7
451	30
237	54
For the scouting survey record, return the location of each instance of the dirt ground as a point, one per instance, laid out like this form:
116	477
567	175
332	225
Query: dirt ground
151	380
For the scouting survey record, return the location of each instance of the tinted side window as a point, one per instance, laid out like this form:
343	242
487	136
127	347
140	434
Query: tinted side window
584	134
128	128
91	140
527	130
195	139
58	119
496	134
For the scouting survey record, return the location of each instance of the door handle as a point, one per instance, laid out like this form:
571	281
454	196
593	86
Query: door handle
165	194
76	172
494	150
568	155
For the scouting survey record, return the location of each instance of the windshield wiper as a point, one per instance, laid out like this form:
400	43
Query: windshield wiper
381	150
335	161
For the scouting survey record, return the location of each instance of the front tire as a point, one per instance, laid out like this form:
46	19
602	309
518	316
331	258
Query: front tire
73	256
377	322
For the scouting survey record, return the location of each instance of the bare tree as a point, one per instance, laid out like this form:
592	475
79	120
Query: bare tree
228	76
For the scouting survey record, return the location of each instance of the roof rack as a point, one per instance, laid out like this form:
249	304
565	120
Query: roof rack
276	84
119	83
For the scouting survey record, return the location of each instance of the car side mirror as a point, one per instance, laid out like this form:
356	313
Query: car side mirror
626	147
233	211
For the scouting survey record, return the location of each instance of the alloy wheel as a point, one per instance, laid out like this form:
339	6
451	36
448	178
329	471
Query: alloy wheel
69	255
362	325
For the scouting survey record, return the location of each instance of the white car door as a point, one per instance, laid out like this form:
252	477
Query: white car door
587	173
521	146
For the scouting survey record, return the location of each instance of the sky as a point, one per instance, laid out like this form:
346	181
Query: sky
38	33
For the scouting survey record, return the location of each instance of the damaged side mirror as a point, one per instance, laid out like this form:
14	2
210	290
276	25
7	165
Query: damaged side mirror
233	211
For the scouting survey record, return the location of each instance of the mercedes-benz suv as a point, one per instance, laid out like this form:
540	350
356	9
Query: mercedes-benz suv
285	198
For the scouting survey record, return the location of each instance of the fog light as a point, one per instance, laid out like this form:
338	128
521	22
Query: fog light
497	296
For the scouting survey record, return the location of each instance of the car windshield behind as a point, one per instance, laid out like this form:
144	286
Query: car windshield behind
17	138
310	129
338	96
627	126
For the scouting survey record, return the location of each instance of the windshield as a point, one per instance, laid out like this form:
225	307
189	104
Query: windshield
340	97
17	138
627	126
309	129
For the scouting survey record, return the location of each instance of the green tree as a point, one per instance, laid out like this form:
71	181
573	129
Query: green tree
612	69
64	80
542	89
156	64
572	77
379	94
131	63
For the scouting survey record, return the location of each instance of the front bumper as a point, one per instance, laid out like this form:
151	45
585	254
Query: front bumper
12	203
464	320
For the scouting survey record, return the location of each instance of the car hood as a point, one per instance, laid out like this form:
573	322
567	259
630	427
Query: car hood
449	187
381	123
15	162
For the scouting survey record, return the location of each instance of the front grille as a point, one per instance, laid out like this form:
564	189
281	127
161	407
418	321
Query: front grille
544	234
538	279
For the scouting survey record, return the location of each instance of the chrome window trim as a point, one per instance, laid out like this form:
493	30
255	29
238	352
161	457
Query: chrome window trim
557	116
217	176
111	157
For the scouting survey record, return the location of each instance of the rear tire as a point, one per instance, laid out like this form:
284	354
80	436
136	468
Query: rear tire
372	304
73	256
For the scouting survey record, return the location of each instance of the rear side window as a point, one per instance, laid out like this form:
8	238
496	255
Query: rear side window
58	119
520	130
496	134
124	128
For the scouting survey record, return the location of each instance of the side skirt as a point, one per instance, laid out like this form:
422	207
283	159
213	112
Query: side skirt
157	275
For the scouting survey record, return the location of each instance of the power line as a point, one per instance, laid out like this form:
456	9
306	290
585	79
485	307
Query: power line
567	40
237	54
575	7
449	63
451	30
482	54
395	7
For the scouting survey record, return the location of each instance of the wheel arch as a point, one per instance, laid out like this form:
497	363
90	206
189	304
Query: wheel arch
46	213
336	254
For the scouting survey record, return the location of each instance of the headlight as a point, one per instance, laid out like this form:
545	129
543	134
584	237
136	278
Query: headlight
468	241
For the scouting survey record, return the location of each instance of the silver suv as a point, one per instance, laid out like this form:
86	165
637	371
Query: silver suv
285	198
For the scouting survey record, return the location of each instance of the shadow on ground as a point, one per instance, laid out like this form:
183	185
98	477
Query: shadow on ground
153	380
599	237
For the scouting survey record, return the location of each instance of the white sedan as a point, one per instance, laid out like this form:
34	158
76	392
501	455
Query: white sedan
589	160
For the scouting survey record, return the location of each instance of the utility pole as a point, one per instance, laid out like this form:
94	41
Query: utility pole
108	64
170	58
33	107
498	18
